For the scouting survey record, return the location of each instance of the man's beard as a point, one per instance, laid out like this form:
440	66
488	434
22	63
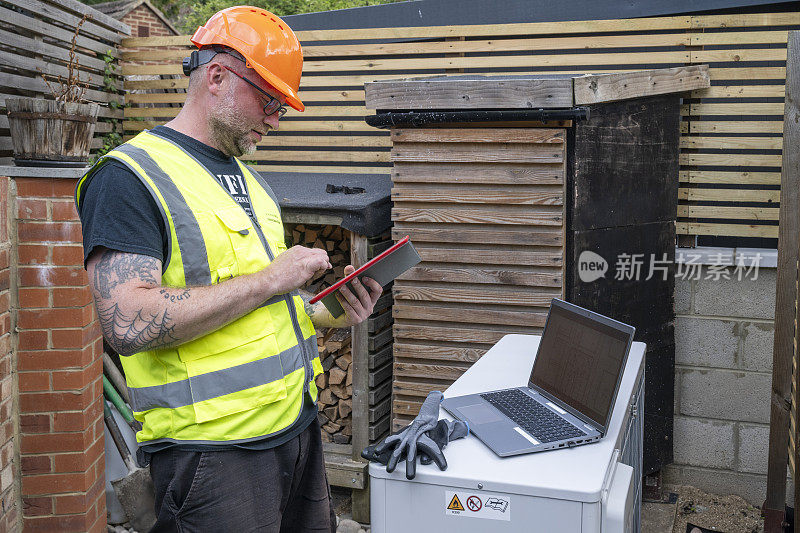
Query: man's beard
228	130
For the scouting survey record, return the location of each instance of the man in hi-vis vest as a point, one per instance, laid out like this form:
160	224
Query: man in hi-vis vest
195	289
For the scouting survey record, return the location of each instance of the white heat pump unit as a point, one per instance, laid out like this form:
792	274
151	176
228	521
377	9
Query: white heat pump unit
585	489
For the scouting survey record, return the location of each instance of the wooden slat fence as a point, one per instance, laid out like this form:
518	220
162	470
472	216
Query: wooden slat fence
36	38
731	144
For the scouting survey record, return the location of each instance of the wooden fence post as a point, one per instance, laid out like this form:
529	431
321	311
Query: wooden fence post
785	298
360	347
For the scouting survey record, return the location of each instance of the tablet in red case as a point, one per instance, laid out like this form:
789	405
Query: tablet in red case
383	268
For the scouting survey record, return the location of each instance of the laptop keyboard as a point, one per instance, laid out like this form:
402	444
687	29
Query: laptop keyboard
533	417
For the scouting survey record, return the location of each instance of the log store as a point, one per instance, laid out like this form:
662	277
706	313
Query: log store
349	216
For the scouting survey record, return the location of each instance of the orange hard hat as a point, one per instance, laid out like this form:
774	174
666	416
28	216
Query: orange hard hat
268	45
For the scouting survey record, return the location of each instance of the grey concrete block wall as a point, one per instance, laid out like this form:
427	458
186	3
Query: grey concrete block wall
744	298
753	448
714	448
719	394
723	374
706	342
758	339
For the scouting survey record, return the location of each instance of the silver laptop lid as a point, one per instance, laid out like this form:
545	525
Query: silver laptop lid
580	360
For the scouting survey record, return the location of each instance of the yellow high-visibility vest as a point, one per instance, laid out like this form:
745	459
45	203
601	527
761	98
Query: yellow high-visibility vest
245	380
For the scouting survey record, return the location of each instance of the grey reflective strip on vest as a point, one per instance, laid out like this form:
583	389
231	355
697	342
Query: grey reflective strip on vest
220	382
88	177
275	299
260	179
190	238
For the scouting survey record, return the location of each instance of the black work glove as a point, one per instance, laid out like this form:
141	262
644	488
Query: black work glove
444	432
405	442
370	454
430	446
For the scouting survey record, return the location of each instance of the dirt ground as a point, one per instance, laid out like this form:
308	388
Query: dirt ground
726	514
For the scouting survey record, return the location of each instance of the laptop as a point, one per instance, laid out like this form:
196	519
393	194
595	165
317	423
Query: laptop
570	393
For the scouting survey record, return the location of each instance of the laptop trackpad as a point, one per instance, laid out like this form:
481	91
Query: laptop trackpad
481	413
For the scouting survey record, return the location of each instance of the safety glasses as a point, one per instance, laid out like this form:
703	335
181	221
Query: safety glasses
272	106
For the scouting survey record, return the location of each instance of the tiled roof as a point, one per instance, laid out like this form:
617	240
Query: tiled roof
119	8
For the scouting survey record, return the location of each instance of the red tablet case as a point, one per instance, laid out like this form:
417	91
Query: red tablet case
383	268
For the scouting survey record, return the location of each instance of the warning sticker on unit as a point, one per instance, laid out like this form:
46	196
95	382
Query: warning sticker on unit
477	505
455	504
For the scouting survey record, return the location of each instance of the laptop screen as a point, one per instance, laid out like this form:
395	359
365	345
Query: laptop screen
580	361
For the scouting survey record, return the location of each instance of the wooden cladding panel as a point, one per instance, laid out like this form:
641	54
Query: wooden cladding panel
476	152
453	312
532	92
493	276
541	195
488	254
595	88
722	125
519	235
470	94
491	238
479	294
722	143
511	215
478	173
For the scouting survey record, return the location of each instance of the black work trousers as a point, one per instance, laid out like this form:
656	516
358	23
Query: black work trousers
278	490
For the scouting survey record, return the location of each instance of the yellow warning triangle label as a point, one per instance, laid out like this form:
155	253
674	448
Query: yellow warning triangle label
455	504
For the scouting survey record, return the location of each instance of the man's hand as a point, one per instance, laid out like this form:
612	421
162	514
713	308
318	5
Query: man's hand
357	307
294	267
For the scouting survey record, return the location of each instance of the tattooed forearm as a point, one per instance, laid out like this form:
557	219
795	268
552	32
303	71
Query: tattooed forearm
128	324
137	312
173	296
115	268
131	333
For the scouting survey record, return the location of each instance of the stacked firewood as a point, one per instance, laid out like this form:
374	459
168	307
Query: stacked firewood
332	239
335	385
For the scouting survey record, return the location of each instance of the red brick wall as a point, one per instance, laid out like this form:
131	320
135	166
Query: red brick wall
9	512
144	16
59	365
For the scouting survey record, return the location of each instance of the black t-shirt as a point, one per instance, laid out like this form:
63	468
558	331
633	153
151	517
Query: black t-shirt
118	212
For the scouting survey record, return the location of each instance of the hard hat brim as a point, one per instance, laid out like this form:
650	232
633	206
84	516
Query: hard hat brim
292	97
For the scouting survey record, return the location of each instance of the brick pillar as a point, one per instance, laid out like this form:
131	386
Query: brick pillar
59	364
9	512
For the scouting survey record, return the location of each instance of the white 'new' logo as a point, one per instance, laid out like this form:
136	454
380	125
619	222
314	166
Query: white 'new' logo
591	266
